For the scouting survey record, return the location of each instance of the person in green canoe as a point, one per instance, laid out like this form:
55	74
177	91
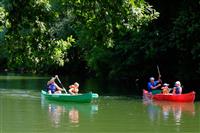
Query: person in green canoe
52	87
74	88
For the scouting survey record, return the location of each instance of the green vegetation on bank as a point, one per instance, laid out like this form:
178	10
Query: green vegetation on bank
113	39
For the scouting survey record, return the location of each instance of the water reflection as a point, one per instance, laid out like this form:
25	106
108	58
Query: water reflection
164	109
54	113
74	115
152	110
176	108
68	113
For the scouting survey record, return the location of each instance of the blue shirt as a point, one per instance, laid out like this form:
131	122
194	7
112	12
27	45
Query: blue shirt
150	84
52	87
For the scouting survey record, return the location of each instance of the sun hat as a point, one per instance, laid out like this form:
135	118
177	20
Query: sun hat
177	83
165	84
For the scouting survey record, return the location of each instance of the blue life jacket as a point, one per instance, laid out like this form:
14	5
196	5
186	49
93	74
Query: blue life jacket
177	90
52	88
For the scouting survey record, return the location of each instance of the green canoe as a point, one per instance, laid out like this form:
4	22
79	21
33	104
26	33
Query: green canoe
85	98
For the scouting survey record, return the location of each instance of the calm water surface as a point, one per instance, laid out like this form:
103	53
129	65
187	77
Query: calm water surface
22	110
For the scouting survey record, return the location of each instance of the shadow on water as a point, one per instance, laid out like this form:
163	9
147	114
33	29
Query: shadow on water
14	81
34	82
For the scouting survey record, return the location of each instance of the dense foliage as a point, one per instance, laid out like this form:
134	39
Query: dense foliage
123	39
29	40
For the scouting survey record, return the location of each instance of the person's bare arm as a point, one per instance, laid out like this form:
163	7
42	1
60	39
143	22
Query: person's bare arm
174	89
180	90
58	88
50	81
155	86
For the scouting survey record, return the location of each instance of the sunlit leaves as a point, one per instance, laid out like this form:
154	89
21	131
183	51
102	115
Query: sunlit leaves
138	13
39	33
30	41
41	26
44	3
3	15
60	50
101	26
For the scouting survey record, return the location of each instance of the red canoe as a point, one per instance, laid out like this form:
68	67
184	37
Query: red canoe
188	97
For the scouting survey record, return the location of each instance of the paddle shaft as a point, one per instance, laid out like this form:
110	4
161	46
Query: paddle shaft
158	71
159	75
61	84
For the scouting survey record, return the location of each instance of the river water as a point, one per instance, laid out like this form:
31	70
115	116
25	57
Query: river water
23	110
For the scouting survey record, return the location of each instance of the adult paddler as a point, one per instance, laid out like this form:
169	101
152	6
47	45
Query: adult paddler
152	84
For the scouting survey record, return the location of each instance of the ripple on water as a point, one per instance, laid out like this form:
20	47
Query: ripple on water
19	93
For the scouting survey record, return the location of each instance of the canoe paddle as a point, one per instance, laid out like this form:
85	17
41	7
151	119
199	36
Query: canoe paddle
61	83
158	72
159	75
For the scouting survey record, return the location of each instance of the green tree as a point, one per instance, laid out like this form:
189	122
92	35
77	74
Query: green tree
30	40
184	38
3	24
103	27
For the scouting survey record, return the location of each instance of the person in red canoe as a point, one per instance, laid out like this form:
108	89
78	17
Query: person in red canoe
152	84
165	88
52	87
74	88
177	88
